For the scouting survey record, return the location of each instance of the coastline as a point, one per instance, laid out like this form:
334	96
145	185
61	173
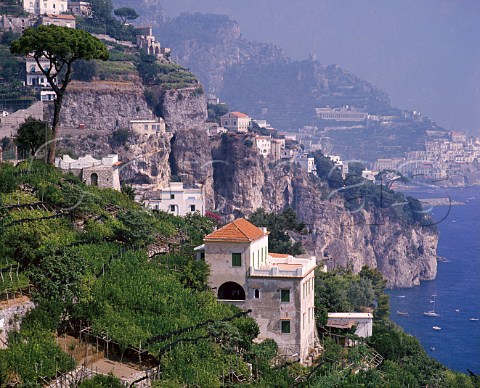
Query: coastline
457	344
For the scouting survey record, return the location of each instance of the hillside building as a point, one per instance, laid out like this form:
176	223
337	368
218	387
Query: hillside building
388	164
341	114
148	126
278	288
337	160
57	20
236	121
269	147
146	41
306	163
42	7
362	321
370	175
16	24
80	8
94	172
176	199
35	76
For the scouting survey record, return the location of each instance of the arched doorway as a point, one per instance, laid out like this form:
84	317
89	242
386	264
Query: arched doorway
231	291
94	179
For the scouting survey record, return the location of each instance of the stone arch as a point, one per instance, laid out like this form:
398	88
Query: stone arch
231	291
94	179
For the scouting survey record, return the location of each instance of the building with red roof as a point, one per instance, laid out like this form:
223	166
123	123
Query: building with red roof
236	121
278	288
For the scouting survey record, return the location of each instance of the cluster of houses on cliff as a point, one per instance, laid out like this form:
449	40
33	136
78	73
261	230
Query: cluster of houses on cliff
271	145
63	13
451	155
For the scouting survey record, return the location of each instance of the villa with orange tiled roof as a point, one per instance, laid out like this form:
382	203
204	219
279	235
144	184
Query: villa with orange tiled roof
278	288
236	121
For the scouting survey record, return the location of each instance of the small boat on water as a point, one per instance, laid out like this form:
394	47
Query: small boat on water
432	348
432	312
400	296
403	313
437	328
474	319
457	310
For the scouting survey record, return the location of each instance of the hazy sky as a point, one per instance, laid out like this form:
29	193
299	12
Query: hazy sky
424	53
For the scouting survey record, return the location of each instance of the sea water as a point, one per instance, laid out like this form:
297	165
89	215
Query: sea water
457	285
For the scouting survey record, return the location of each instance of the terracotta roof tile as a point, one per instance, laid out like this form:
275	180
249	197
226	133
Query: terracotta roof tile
66	17
239	230
240	115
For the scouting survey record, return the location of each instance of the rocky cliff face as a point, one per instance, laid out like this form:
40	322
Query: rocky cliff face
243	182
237	182
184	108
106	106
103	105
191	160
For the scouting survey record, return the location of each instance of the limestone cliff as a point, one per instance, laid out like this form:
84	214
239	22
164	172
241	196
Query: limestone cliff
243	181
107	106
184	108
103	105
238	181
191	160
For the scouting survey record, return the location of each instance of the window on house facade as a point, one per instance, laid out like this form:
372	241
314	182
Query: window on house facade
172	196
192	208
285	296
236	259
172	208
285	326
256	293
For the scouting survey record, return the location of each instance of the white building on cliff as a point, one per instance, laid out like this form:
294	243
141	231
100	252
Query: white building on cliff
278	288
176	199
94	172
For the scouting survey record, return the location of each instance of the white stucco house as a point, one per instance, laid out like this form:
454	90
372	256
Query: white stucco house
35	76
176	199
306	163
41	7
103	172
278	288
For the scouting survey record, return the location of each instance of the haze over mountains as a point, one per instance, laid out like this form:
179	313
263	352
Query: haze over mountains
423	54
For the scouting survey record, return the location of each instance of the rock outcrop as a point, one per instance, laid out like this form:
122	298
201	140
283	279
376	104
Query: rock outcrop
103	105
244	182
238	181
107	106
184	108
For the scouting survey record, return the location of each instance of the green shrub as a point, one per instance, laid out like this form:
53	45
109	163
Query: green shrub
101	381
